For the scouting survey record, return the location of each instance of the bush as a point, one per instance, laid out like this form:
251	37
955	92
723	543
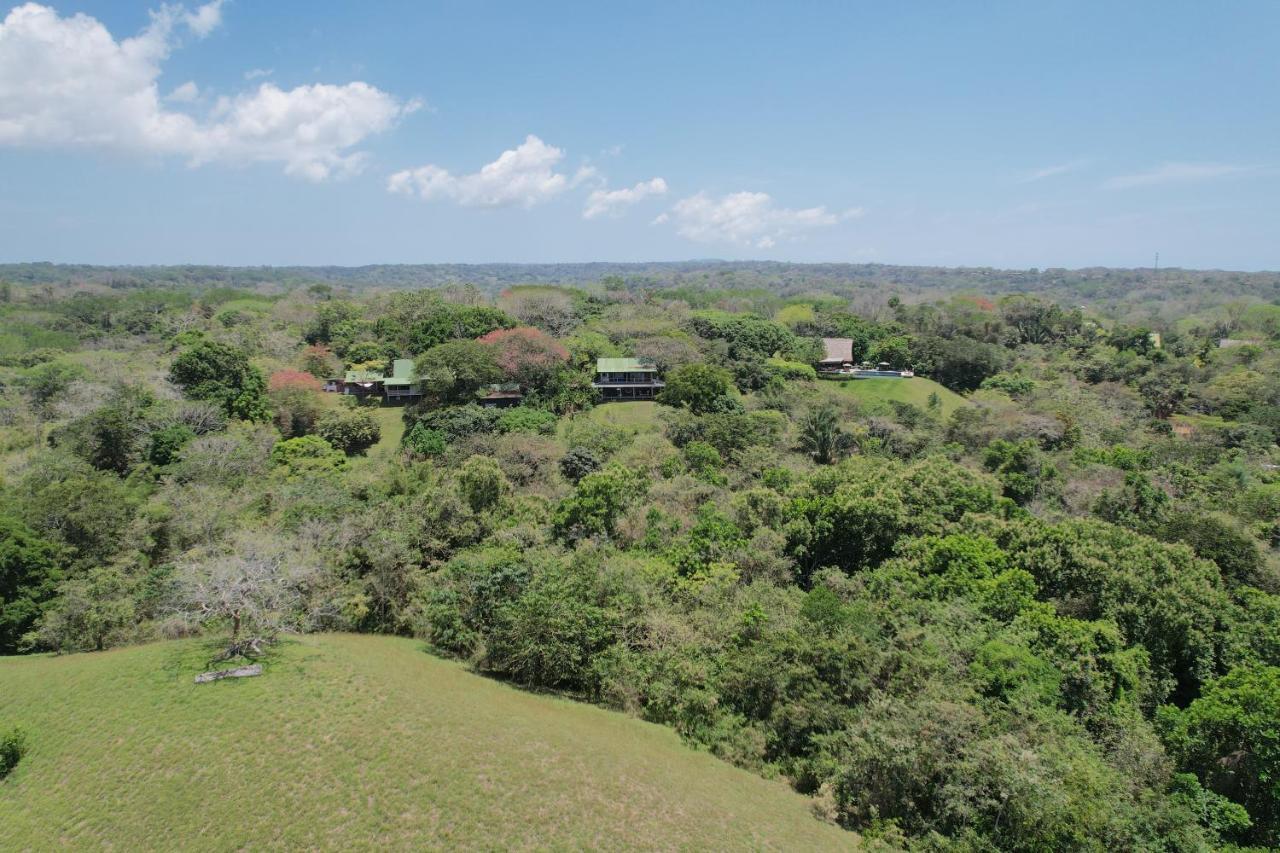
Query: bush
353	432
482	483
13	745
167	443
223	375
792	370
697	387
578	463
459	422
307	454
524	419
425	441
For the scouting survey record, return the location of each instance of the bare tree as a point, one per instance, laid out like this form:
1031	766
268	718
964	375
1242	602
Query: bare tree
256	588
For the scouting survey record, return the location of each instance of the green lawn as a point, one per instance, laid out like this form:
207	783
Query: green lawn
357	742
638	416
391	420
915	390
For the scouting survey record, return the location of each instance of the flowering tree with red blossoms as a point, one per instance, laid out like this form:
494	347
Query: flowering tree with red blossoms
289	379
526	355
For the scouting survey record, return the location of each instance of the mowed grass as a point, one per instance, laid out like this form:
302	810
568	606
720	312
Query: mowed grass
635	416
391	421
914	390
357	742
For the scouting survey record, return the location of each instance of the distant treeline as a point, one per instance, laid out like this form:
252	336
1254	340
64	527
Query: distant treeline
1135	293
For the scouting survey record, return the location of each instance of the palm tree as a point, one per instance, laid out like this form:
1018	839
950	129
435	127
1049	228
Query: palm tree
821	436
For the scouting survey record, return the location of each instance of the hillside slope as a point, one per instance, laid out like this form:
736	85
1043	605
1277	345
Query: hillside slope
351	742
915	390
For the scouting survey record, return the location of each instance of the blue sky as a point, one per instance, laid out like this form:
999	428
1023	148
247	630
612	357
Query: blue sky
1002	134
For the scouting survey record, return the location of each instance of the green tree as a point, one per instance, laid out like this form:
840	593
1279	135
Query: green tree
596	504
821	436
697	387
1230	738
482	483
91	612
114	437
167	443
308	454
29	573
222	374
453	372
353	431
45	383
578	463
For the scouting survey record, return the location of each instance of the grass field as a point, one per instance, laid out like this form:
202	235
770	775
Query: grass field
391	420
915	390
637	416
356	742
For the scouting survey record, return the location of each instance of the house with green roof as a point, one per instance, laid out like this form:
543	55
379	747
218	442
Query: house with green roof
402	384
620	379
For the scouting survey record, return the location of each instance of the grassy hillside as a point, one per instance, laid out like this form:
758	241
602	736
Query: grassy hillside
915	390
356	741
636	416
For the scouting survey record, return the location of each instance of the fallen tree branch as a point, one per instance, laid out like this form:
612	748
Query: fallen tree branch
238	672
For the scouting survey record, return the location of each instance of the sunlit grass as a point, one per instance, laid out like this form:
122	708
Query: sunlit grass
636	416
915	390
357	742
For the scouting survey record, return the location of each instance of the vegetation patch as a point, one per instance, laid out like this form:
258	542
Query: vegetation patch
362	742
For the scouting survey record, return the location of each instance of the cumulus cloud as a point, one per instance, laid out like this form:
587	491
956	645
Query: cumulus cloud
184	94
746	219
69	82
205	19
604	202
1174	173
522	176
255	73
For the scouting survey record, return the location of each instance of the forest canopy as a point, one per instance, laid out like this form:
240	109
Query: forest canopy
1026	598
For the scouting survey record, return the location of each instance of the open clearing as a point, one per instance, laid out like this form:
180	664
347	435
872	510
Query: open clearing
357	742
915	390
636	416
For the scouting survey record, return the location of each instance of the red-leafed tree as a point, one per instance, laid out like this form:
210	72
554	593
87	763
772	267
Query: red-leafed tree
282	379
526	355
319	361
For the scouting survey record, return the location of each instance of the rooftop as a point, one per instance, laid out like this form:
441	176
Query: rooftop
402	372
363	376
623	365
837	349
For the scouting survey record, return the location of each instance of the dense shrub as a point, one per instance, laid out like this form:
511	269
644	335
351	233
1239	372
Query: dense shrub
353	431
13	745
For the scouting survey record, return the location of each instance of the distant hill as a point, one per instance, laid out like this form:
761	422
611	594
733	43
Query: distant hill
1167	293
357	742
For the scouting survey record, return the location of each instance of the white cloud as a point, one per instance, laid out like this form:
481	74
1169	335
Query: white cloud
184	94
205	19
1175	173
69	82
603	202
522	176
255	73
746	219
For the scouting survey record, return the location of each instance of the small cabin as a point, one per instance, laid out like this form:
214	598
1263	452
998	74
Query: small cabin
626	379
363	383
502	396
402	385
